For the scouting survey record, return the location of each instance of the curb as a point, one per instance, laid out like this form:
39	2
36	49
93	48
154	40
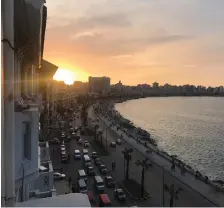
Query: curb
135	198
119	183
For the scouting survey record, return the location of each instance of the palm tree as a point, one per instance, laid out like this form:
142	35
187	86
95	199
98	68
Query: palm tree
127	156
95	128
145	165
173	193
101	137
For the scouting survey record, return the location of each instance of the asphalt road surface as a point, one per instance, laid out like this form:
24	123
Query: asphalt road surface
71	169
153	176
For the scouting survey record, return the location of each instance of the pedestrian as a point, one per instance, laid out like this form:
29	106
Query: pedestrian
196	175
113	165
173	167
69	180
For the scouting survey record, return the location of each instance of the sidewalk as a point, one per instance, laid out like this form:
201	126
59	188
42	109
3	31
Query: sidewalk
205	190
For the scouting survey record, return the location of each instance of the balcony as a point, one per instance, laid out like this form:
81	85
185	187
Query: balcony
44	152
26	155
43	186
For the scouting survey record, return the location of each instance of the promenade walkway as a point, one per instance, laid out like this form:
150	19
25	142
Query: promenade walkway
202	194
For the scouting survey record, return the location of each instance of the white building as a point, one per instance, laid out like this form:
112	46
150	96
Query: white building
99	85
27	171
23	36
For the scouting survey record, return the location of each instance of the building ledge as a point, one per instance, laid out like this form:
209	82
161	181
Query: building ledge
67	200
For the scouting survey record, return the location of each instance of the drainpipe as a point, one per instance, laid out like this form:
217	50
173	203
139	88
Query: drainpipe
8	167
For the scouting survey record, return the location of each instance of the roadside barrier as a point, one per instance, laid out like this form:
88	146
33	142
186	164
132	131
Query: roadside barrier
168	158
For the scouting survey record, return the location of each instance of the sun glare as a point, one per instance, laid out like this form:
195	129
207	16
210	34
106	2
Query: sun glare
65	75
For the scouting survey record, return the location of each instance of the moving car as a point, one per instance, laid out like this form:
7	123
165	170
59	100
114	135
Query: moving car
86	144
91	199
59	176
119	194
80	141
113	144
54	141
104	201
103	169
94	155
62	135
109	181
76	129
99	184
77	155
85	152
118	141
62	148
90	171
86	161
98	161
82	187
82	175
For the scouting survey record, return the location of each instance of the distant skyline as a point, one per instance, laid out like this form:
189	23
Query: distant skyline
138	41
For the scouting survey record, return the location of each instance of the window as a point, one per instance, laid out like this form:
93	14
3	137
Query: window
27	140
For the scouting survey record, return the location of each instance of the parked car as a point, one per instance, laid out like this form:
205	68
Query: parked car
80	141
71	129
54	141
98	161
113	144
76	129
62	148
118	141
59	176
103	169
91	199
73	134
90	171
86	144
119	194
94	155
109	181
69	137
62	135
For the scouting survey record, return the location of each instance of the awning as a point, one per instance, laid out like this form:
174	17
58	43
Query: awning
47	70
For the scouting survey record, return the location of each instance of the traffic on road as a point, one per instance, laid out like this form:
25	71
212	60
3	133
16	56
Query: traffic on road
81	168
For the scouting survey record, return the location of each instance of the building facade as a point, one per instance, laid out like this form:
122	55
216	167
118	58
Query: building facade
23	38
100	85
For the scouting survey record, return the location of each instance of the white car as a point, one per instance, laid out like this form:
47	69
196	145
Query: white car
59	176
77	154
80	141
86	144
118	141
62	148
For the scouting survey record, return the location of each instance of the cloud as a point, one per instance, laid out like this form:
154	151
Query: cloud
152	37
99	44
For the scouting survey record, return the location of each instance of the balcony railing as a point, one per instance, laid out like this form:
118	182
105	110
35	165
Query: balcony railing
44	151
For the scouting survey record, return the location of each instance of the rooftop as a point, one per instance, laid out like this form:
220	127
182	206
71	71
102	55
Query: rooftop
67	200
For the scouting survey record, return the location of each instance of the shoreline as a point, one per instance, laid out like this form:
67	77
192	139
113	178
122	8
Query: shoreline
152	145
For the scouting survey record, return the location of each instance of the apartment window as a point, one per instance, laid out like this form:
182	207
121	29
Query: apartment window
27	140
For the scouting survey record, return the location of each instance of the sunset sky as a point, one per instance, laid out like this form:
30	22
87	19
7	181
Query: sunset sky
138	41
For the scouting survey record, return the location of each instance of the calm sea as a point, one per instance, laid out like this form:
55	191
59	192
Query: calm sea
190	127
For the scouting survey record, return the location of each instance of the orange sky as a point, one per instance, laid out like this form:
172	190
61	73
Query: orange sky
176	42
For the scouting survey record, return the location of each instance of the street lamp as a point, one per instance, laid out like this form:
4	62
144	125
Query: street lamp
106	135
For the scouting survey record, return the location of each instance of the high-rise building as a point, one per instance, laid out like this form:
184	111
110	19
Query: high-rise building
100	85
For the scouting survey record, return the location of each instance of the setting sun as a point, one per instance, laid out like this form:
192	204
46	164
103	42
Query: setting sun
65	75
